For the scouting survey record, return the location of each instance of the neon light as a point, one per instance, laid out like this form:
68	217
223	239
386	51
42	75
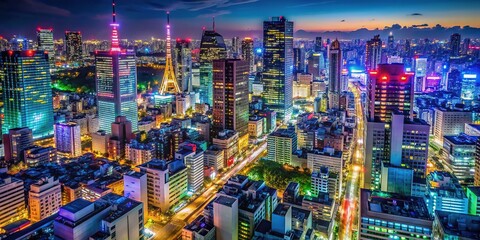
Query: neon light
404	78
410	73
373	72
384	78
433	78
469	75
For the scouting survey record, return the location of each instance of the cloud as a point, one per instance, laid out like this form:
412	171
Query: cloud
415	14
214	14
420	25
32	7
194	5
343	20
311	4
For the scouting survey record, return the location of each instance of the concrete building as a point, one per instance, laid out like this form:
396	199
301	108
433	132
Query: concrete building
281	144
327	157
199	229
44	199
472	129
15	142
445	193
225	212
282	219
167	183
139	153
100	142
450	122
473	195
193	160
135	187
12	197
459	156
214	157
121	133
324	181
37	156
255	126
67	139
390	216
449	225
228	141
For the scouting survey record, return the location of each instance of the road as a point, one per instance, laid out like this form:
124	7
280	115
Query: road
349	206
173	229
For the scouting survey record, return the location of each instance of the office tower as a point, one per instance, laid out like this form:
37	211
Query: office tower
38	156
373	53
395	152
135	187
459	156
449	122
121	134
73	46
389	90
171	179
100	142
391	44
116	83
255	126
247	53
473	195
443	192
27	92
193	160
138	153
328	157
230	97
466	46
13	194
169	81
15	142
335	68
476	179
236	46
45	43
319	181
292	193
454	82
225	217
298	60
316	63
212	47
19	43
67	139
228	140
381	211
281	144
318	44
469	90
111	215
455	40
183	66
277	76
271	117
44	198
420	74
448	225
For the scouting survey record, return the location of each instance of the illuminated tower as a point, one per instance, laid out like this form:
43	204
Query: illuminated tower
278	66
247	53
183	65
335	68
45	43
73	46
455	45
169	82
116	83
373	52
27	92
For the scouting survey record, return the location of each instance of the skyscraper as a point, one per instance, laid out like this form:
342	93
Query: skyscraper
45	42
73	46
212	47
335	69
247	53
278	66
230	96
116	83
169	81
236	46
455	40
318	44
373	52
391	44
15	142
389	89
67	139
27	92
183	57
298	60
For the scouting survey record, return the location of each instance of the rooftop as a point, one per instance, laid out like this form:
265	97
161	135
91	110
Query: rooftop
457	224
281	209
287	133
200	226
462	139
224	200
123	204
475	190
76	205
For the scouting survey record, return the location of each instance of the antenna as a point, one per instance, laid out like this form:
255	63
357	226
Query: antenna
113	10
115	45
213	20
168	18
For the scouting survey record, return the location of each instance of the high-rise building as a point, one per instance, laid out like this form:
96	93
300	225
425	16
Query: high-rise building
469	90
420	74
335	69
236	46
391	216
459	156
27	92
67	139
373	53
449	122
298	60
281	144
183	57
318	44
193	160
45	43
389	90
213	157
73	46
135	187
455	40
121	134
473	195
448	225
443	192
212	47
391	44
12	193
169	81
15	143
139	153
247	53
277	76
230	96
36	156
116	83
44	198
476	178
225	212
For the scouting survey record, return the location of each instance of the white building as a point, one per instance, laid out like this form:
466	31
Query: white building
139	153
225	220
135	187
281	144
328	158
44	198
450	122
193	160
100	142
445	193
67	139
11	191
255	126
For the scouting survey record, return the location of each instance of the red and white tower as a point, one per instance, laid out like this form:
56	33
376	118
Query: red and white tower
169	82
115	45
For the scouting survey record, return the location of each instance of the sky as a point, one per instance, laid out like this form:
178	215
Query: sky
141	19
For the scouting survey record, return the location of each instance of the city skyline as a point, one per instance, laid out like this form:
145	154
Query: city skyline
242	17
